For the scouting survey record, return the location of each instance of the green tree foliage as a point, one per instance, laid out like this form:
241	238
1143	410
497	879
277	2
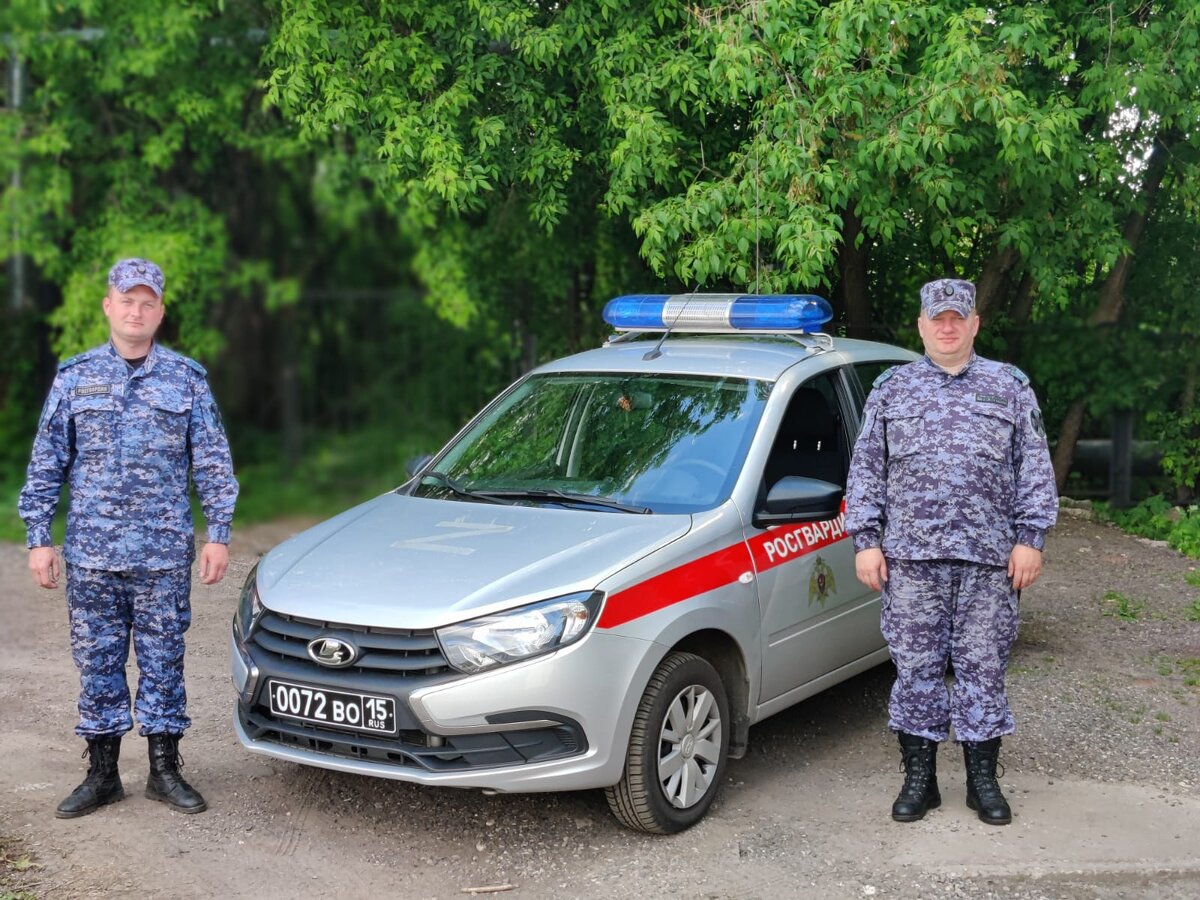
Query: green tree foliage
131	111
481	129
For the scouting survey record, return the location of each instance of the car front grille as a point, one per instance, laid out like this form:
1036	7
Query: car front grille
414	749
398	652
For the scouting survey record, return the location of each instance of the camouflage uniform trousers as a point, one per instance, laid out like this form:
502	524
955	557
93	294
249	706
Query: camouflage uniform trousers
939	611
104	607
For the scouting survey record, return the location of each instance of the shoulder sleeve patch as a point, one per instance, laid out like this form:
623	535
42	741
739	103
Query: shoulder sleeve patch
192	364
77	358
1016	373
884	376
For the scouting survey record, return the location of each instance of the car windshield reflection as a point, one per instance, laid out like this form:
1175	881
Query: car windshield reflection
663	443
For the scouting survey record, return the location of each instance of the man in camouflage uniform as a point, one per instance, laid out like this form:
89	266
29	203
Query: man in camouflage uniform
950	496
126	423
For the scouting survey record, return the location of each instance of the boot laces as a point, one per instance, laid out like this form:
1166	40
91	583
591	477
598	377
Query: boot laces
985	780
917	776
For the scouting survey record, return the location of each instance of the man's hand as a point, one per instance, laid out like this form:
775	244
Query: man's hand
1024	566
871	568
43	563
214	560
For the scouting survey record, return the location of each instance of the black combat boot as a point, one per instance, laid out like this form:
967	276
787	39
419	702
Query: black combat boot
983	790
165	782
920	792
102	784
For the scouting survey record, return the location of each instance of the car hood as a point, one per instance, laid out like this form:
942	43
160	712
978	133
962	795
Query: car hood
412	562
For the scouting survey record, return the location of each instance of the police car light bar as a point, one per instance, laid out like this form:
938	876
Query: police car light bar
719	313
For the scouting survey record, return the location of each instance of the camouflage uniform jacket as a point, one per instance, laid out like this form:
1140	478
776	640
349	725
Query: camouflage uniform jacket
951	466
128	441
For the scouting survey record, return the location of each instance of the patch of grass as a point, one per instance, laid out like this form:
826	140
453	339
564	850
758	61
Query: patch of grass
1193	578
1193	611
17	868
1162	717
1189	668
1116	605
1157	519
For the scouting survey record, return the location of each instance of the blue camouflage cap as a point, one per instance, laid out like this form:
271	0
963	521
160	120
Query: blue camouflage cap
129	273
947	294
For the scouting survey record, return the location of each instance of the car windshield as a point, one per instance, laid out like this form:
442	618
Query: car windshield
661	443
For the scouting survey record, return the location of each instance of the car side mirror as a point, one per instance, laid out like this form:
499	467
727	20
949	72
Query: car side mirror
795	498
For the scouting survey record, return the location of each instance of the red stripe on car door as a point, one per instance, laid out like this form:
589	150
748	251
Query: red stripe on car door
770	549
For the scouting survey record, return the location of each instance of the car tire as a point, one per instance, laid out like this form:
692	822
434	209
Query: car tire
677	749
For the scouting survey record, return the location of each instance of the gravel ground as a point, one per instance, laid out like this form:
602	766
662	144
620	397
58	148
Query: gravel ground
1103	774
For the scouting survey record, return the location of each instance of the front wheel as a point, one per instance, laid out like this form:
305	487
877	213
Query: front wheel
677	749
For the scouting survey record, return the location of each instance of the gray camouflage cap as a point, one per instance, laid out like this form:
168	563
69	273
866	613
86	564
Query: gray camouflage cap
129	273
947	294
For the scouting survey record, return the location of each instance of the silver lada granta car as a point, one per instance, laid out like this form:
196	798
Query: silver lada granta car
622	563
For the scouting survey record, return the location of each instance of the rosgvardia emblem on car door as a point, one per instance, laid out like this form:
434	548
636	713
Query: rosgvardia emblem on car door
821	584
333	652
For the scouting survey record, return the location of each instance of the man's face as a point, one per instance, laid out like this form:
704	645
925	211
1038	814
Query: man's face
948	337
133	316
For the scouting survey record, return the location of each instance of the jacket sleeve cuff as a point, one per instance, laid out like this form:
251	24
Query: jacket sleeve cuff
1032	537
866	540
218	534
38	536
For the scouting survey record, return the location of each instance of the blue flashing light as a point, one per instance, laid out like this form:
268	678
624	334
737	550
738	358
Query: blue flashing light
718	313
636	311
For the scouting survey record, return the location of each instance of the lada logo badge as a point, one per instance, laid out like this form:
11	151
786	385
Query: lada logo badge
333	652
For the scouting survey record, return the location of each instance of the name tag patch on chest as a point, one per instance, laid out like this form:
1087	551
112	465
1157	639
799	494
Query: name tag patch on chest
991	398
86	390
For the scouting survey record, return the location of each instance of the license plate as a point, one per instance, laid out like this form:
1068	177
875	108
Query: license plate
333	709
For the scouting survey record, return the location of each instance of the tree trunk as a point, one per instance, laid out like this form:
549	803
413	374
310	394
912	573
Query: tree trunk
1022	308
1112	298
993	278
852	270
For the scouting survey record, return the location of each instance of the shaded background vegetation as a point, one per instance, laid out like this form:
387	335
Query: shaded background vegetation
373	215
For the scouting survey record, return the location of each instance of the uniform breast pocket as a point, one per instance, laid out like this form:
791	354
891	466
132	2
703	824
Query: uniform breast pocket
93	419
992	432
905	433
169	423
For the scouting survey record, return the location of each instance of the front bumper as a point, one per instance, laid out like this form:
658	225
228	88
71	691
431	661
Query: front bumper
558	722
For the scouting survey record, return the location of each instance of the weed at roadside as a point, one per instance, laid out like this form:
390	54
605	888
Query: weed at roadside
1116	605
1159	520
17	866
1189	668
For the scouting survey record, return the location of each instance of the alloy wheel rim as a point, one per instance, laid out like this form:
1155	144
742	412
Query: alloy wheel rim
689	746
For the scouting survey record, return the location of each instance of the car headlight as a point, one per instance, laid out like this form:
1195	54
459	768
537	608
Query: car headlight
520	633
250	608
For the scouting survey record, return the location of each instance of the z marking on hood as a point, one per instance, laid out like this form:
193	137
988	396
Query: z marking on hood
434	542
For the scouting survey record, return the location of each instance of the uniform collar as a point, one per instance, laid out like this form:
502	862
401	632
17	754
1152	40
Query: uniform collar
147	366
934	367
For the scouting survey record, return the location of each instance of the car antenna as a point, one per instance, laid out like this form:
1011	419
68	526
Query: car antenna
657	351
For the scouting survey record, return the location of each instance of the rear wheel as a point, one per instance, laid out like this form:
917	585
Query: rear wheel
677	749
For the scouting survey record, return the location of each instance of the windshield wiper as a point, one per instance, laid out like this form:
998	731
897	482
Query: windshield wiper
459	491
556	496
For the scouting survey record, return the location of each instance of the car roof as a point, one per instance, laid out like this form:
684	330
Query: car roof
763	357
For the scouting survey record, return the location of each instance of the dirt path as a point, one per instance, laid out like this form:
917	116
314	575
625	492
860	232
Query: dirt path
1104	775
